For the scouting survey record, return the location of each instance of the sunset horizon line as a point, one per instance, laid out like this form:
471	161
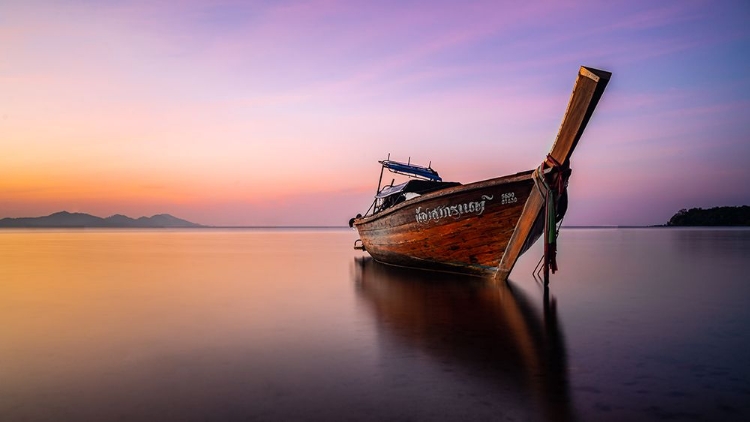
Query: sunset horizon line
197	225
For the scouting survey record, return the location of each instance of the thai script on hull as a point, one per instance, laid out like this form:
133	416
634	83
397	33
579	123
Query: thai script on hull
455	211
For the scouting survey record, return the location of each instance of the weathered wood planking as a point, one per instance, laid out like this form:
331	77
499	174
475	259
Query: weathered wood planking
470	243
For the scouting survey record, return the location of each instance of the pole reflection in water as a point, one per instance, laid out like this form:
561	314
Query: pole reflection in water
492	332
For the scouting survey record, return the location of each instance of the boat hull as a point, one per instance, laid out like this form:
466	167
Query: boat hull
463	229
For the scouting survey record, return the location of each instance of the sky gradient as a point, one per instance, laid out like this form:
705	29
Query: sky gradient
276	112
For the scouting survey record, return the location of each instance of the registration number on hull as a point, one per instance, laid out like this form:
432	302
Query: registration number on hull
425	215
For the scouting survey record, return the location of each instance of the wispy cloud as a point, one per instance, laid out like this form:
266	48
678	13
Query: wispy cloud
191	103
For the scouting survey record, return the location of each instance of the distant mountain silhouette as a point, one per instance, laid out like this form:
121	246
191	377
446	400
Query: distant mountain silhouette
77	219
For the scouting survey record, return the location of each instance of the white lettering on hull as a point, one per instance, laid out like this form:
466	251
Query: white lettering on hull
456	211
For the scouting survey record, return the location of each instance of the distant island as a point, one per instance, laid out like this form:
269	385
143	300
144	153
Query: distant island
66	219
717	216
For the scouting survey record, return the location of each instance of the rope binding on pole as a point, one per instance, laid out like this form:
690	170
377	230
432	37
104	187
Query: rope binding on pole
552	187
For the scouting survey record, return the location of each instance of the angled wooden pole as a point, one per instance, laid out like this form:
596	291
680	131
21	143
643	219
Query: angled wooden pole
587	91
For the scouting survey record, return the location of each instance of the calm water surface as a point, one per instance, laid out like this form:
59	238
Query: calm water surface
639	324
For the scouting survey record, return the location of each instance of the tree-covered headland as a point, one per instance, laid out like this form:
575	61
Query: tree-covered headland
717	216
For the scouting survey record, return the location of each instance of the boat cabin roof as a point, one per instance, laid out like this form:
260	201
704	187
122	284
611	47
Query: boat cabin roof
414	186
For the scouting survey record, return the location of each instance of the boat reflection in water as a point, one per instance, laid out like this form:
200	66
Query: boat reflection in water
492	333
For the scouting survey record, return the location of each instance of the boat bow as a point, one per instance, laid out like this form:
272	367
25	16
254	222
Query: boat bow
587	91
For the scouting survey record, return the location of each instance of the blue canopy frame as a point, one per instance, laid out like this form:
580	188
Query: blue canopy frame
406	169
411	170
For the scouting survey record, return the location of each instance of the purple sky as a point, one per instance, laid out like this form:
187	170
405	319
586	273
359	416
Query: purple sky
265	113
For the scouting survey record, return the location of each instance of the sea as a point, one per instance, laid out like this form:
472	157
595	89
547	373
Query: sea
638	324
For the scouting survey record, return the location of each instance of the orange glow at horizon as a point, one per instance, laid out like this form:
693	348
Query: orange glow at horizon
207	113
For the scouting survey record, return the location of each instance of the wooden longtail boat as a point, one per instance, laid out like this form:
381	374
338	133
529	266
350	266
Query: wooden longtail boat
482	227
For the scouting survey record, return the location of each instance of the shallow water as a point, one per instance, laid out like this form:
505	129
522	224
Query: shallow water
639	324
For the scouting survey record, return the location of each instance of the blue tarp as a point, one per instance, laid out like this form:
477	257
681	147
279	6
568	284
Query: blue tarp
411	170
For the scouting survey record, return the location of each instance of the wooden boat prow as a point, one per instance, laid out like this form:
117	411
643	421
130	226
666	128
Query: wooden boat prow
482	227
